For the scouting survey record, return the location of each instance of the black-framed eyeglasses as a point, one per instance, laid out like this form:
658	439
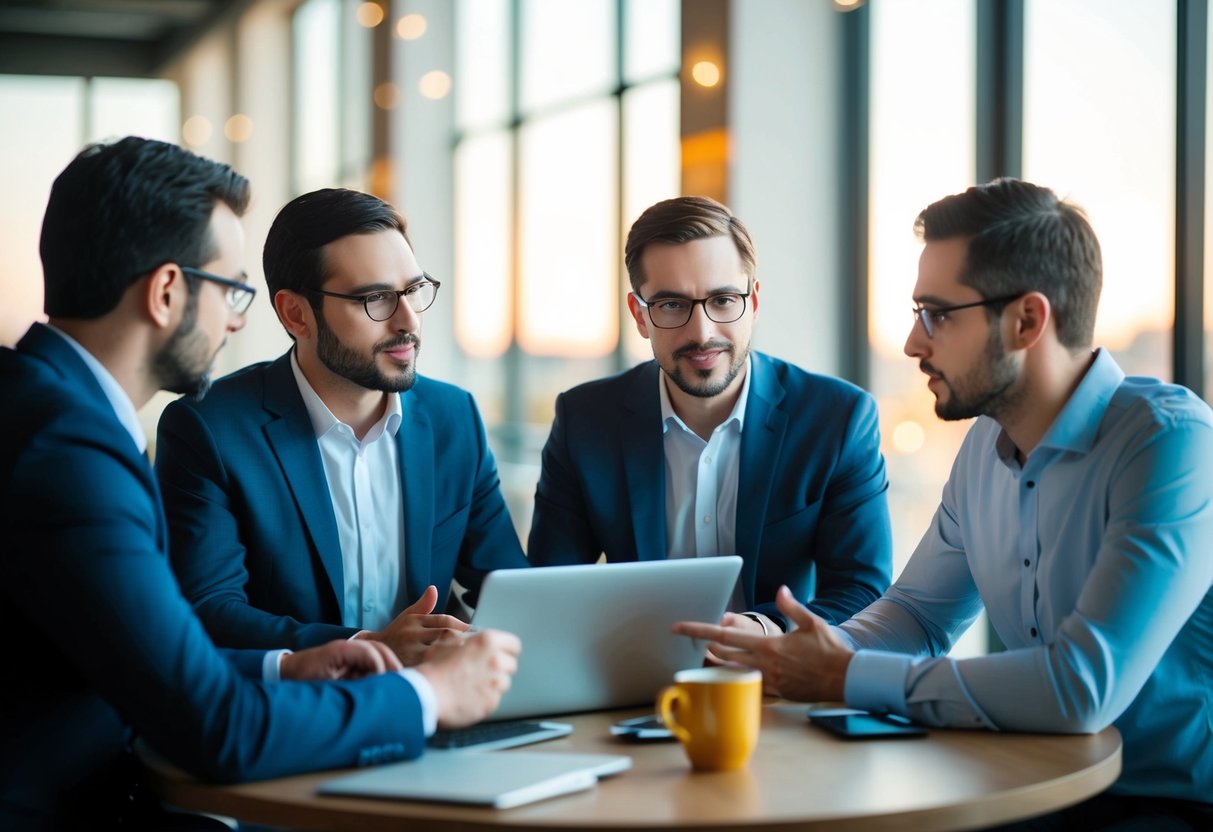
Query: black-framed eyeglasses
673	312
239	295
930	316
382	304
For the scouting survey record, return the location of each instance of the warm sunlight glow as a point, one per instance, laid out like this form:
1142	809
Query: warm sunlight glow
369	15
196	131
410	27
706	74
387	96
435	84
239	128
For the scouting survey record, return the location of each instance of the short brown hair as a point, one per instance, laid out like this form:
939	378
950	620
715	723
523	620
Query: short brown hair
681	220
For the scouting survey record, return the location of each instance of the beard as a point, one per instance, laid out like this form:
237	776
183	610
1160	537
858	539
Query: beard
699	382
985	390
183	364
364	370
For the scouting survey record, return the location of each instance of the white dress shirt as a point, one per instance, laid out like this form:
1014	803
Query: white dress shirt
364	485
701	483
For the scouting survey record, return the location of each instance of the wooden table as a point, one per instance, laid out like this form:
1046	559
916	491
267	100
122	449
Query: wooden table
799	778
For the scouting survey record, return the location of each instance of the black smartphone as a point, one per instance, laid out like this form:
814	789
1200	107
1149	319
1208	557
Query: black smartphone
862	725
643	728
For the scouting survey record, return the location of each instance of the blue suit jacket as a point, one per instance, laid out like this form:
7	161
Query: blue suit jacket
97	636
811	505
254	539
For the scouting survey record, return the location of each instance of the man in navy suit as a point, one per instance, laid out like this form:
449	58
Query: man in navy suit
142	253
313	497
712	448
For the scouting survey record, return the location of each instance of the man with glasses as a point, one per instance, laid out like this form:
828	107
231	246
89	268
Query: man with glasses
1079	514
334	493
142	251
712	449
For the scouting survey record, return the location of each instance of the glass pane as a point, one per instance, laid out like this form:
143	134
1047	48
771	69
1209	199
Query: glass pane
355	97
651	159
483	254
317	26
568	50
482	63
567	240
42	132
1099	128
922	148
134	107
653	38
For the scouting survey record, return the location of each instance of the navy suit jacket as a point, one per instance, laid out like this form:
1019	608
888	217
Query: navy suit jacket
98	638
254	538
811	494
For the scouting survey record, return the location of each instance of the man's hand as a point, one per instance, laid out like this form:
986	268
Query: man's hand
736	621
411	633
809	663
470	674
339	660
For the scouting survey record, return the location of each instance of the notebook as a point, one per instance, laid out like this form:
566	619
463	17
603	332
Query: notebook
500	779
598	636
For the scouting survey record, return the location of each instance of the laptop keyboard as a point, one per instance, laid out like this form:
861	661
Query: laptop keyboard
494	734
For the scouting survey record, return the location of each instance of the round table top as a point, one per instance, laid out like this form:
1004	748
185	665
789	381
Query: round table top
800	778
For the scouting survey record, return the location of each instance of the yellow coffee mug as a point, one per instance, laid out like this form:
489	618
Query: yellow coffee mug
715	713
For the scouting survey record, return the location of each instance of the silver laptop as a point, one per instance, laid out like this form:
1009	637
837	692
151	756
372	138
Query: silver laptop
598	636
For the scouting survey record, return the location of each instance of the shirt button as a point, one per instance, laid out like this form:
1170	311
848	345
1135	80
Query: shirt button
1033	632
707	460
1027	562
1031	483
707	518
368	606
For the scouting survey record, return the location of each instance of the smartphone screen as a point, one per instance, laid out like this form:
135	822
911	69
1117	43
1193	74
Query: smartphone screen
868	726
642	728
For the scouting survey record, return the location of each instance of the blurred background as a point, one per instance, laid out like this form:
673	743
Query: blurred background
522	137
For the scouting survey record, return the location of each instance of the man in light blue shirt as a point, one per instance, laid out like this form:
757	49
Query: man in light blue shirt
1079	513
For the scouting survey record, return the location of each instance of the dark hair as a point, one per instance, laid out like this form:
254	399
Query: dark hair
681	220
1023	238
293	257
120	210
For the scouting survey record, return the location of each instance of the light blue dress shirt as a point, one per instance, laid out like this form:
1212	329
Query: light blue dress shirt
1094	561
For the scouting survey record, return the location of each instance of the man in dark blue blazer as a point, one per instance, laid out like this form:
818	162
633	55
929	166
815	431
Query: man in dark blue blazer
142	249
713	449
314	497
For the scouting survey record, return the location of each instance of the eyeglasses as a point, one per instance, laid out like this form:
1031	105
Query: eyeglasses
239	295
673	312
931	316
383	304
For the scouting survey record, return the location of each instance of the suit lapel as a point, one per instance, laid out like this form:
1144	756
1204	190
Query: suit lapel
415	445
293	442
643	447
761	441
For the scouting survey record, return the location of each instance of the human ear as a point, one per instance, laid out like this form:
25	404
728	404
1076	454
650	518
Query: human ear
295	313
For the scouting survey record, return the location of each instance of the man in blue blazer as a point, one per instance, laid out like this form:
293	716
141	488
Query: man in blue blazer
142	249
314	497
713	449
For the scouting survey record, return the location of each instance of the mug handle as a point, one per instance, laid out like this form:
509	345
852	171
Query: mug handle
666	700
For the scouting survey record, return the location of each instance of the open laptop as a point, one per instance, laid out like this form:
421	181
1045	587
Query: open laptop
598	636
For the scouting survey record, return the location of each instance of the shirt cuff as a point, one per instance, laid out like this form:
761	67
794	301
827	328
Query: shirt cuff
766	622
271	665
425	693
876	681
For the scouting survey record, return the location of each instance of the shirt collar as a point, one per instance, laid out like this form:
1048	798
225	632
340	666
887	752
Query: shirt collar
737	415
1077	425
323	419
123	407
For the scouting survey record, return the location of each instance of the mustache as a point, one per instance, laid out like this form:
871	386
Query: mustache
929	369
399	341
704	347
